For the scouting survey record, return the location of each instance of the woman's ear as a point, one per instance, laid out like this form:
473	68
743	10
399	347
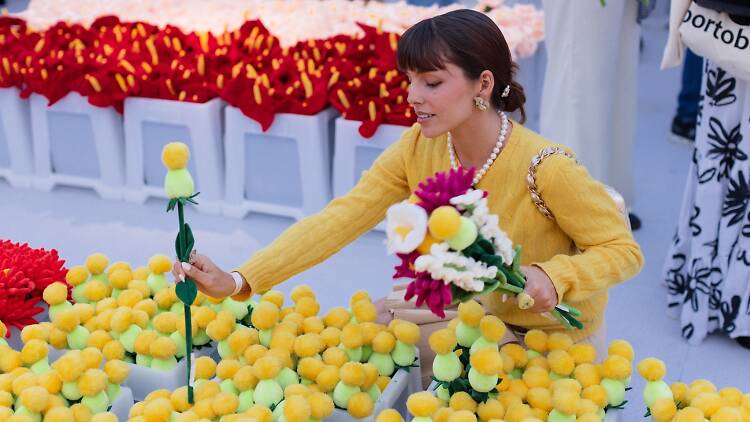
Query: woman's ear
486	83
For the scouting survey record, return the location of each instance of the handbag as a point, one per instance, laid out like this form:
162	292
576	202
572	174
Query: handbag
719	37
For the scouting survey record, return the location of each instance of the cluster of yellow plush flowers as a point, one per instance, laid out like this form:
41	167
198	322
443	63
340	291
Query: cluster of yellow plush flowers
553	380
129	314
291	364
697	401
78	386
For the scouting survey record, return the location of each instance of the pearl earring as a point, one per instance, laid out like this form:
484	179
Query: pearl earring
480	103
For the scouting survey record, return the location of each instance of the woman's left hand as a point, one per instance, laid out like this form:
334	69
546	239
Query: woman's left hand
539	286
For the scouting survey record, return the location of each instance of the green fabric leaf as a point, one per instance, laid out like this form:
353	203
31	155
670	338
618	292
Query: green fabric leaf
178	247
517	259
186	291
189	240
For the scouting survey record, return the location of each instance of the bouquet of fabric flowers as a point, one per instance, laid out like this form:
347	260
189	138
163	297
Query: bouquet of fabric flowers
454	249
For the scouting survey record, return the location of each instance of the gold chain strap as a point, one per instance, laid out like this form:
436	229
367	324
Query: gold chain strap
531	177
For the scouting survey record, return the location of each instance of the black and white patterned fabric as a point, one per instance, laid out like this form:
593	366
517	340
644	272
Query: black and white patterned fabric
707	270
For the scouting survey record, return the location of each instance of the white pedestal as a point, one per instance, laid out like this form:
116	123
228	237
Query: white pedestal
77	144
355	153
16	165
152	123
402	385
123	403
284	171
143	380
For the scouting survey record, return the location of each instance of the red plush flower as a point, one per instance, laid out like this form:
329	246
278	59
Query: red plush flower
41	267
17	302
438	190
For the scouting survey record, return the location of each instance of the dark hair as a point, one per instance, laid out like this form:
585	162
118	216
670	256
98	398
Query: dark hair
470	40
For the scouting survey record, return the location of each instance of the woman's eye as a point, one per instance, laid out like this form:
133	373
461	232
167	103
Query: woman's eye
433	84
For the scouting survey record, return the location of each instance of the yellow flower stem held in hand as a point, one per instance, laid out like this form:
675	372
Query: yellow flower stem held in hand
179	187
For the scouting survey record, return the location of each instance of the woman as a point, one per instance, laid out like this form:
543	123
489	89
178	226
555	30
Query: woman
462	86
707	269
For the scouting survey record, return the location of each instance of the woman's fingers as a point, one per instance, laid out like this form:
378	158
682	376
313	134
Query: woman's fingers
177	272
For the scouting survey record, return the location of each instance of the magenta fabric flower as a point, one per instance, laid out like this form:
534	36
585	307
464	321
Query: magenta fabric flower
435	293
437	191
406	268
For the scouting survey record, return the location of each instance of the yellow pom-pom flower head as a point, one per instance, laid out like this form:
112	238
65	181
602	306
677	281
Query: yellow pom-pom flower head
446	366
653	370
422	405
175	155
492	329
56	295
486	364
178	183
268	391
444	222
407	335
470	314
382	346
96	263
389	415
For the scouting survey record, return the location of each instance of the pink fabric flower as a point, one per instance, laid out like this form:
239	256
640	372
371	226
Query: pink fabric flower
435	293
437	191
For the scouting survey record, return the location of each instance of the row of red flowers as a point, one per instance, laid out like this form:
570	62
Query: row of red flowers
112	60
24	274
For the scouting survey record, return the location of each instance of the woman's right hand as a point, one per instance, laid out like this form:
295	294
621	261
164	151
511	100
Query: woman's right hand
209	278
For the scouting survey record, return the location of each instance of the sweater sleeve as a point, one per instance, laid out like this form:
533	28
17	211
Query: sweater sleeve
589	216
317	237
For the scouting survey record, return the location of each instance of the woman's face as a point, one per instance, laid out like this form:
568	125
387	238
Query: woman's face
442	99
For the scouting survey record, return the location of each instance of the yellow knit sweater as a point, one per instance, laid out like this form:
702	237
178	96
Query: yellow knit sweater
587	220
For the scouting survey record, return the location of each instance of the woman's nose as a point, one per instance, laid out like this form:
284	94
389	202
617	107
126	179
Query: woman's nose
414	98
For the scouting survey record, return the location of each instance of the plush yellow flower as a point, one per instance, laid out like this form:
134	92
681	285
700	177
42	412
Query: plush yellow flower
224	403
178	183
621	348
462	401
244	379
663	410
96	263
337	317
422	405
389	415
536	377
300	291
360	405
561	363
583	353
328	378
536	341
335	356
158	410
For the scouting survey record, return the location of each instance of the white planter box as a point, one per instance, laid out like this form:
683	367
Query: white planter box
143	380
402	385
355	153
611	416
123	403
152	123
16	165
77	144
285	171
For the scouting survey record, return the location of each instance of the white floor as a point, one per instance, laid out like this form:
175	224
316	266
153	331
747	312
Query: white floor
77	223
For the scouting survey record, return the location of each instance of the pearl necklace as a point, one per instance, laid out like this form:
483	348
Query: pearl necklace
493	155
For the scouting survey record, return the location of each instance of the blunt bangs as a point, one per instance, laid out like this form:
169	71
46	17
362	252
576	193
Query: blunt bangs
421	49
